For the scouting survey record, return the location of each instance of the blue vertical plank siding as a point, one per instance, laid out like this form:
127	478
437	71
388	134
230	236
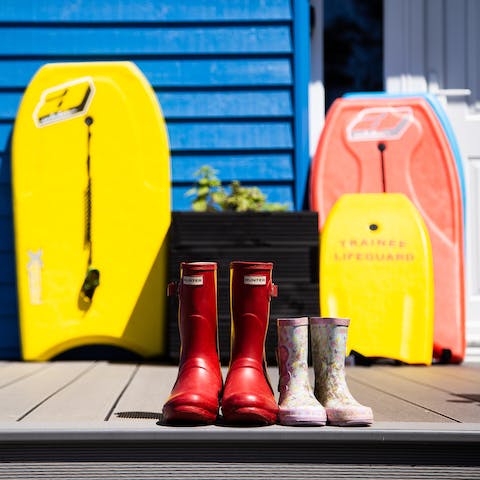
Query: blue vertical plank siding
231	77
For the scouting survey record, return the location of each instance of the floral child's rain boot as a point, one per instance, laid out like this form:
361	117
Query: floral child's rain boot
329	338
297	403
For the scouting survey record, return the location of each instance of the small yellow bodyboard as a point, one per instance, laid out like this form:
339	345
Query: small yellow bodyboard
91	189
376	269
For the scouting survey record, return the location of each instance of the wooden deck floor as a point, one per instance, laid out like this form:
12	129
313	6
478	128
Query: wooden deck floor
73	412
130	394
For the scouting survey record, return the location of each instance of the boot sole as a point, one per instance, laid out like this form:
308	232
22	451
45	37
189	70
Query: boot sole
250	416
339	418
189	415
350	423
301	420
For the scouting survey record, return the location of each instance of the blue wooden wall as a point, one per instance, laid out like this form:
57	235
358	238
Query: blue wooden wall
231	77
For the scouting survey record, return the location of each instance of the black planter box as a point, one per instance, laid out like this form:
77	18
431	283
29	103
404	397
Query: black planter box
288	239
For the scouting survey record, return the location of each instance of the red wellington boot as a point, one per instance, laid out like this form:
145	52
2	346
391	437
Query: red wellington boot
197	390
248	396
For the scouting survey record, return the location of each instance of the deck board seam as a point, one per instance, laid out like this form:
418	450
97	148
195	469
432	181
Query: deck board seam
449	373
366	384
26	375
63	387
423	383
124	389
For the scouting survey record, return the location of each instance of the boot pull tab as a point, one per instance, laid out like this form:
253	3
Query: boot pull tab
172	289
273	290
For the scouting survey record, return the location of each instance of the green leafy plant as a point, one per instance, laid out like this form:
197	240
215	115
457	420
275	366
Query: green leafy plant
210	196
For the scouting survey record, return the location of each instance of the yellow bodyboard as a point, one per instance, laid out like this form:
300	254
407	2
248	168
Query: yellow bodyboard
376	269
91	189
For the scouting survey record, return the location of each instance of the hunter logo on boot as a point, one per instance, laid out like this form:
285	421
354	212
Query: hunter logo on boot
196	280
255	280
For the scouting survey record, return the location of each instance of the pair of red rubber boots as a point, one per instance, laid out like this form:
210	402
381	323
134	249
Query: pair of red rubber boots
247	396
